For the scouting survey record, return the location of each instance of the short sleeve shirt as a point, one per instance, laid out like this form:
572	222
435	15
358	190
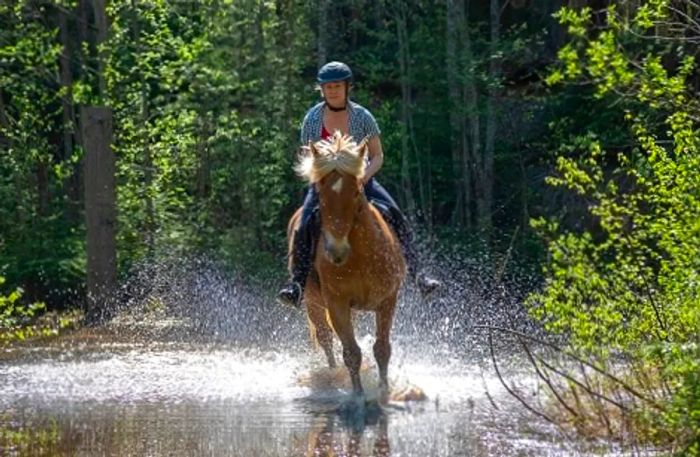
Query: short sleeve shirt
361	123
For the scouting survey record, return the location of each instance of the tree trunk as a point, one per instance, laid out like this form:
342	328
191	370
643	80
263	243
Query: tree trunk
322	44
84	15
42	187
151	224
525	222
72	187
4	122
204	169
100	210
455	14
406	181
471	141
66	83
100	198
423	197
101	26
486	207
18	218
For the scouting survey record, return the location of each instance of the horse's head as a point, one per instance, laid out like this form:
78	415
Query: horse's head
336	167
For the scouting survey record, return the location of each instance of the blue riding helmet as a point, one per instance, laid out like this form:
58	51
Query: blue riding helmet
334	71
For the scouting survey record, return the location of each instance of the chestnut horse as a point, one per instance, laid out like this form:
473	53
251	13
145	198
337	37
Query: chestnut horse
358	265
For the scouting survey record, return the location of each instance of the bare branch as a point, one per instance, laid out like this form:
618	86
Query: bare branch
598	408
546	378
695	24
511	391
653	303
605	373
580	384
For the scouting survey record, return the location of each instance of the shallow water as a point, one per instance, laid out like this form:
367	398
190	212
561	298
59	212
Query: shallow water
198	364
106	396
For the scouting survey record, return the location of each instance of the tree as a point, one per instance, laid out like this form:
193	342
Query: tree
624	289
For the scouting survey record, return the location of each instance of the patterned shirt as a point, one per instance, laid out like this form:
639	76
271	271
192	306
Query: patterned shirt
361	123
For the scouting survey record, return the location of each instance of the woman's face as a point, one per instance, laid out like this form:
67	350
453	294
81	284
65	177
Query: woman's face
335	93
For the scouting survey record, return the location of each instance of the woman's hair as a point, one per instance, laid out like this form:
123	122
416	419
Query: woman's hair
348	84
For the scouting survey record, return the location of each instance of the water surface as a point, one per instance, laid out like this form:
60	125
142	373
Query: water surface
98	394
198	364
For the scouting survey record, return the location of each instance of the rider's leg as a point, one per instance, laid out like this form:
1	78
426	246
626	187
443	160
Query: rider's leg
376	192
302	251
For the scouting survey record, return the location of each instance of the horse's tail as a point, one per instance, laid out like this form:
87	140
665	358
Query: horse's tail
291	227
315	330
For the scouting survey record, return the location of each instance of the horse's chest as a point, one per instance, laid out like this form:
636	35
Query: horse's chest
364	287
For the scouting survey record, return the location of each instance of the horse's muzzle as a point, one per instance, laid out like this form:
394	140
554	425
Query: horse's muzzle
336	250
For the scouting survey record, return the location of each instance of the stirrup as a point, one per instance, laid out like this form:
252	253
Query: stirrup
290	295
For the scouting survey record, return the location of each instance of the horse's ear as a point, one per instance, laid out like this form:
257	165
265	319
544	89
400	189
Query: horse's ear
363	148
312	148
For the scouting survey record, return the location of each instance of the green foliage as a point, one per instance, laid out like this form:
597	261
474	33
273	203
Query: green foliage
37	441
628	284
206	109
19	321
34	171
207	102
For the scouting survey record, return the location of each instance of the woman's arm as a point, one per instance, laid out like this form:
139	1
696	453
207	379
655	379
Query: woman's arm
376	157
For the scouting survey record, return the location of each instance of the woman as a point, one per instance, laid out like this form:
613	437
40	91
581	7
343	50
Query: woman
338	112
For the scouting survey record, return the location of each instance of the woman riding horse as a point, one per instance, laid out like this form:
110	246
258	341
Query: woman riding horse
338	113
359	264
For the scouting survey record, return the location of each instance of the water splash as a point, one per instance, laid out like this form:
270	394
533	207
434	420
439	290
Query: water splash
201	362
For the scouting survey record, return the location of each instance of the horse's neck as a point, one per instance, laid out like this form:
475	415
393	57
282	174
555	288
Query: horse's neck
369	221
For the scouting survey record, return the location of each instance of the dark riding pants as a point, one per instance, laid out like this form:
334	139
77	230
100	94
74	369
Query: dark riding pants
307	233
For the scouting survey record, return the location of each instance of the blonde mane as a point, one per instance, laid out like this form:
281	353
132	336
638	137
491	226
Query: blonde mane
338	153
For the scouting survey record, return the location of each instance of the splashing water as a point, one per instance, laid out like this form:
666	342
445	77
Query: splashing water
196	363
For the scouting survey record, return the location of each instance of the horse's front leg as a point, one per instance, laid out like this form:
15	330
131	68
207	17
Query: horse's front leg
341	319
382	346
319	329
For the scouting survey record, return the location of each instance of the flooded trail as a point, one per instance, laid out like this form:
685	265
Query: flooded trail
99	395
195	364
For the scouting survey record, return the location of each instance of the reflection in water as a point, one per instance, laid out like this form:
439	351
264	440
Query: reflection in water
159	382
109	399
328	439
227	429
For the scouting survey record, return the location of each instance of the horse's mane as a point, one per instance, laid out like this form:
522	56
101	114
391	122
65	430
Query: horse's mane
338	153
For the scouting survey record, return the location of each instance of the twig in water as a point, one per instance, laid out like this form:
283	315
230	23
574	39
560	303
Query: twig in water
581	385
511	391
605	373
546	378
597	406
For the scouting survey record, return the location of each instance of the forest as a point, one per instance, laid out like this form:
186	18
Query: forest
561	135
